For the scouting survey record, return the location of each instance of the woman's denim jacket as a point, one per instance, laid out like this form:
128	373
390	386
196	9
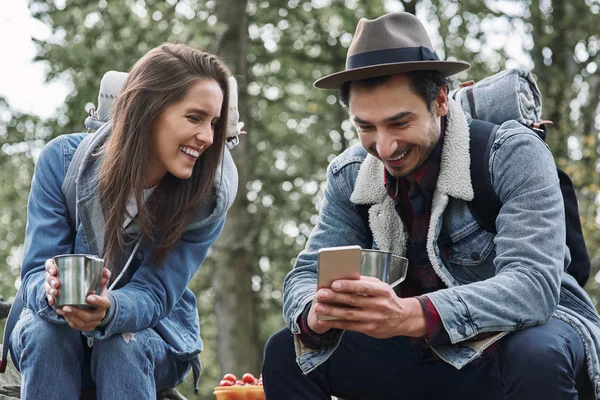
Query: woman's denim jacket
153	296
500	283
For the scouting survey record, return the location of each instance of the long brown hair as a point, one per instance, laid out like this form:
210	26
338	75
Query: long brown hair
160	78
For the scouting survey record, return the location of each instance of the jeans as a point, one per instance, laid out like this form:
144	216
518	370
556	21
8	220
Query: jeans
56	363
542	362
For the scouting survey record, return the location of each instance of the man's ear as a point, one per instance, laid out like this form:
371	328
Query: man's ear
440	104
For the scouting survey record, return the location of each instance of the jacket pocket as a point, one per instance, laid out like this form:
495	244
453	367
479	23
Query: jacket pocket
471	254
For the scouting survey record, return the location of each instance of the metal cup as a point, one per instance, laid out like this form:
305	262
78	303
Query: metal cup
79	275
383	265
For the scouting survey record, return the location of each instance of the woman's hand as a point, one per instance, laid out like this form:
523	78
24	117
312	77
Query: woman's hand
52	284
84	318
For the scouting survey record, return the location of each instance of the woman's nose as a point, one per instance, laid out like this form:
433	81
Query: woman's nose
205	135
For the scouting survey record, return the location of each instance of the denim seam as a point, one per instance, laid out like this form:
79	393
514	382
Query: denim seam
464	232
338	166
469	318
582	305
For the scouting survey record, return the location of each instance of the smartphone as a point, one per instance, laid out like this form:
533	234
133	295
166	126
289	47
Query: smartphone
337	263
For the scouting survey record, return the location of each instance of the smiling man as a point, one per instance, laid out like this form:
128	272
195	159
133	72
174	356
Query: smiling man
480	315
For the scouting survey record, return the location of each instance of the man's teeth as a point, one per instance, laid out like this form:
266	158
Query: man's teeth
189	151
399	157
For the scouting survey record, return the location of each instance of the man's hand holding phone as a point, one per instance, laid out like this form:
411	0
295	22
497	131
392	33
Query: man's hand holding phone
346	300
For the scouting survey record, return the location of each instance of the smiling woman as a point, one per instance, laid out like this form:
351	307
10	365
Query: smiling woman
152	190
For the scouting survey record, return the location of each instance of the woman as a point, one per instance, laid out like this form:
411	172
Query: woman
152	195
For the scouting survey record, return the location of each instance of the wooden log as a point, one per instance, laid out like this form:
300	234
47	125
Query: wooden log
10	383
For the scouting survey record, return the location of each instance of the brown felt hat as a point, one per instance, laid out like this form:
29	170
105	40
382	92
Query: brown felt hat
391	44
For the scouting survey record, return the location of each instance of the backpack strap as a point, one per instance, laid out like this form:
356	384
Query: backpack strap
13	316
363	210
485	207
69	186
580	266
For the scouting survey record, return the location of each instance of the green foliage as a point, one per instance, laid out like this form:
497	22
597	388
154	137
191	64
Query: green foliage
294	129
22	138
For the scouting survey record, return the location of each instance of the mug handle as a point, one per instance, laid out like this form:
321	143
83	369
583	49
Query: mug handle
400	263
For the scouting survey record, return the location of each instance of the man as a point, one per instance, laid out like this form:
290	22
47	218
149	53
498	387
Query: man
479	315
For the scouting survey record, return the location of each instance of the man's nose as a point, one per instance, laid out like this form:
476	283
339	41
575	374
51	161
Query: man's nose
386	145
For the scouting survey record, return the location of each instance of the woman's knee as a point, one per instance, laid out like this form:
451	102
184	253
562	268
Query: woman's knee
33	331
119	347
37	342
131	347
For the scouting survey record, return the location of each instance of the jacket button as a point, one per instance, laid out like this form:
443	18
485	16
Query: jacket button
462	330
139	256
475	256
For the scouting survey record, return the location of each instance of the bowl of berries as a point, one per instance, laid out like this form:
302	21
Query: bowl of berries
247	388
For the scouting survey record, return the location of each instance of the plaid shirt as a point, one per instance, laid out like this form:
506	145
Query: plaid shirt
413	204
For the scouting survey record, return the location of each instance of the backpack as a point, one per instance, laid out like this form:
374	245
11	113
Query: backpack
511	94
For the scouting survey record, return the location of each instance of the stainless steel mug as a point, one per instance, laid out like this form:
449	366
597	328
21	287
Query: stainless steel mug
79	274
383	265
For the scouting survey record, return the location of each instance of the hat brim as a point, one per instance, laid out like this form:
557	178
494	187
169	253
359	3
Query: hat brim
336	80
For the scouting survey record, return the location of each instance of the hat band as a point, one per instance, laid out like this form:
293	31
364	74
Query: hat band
390	56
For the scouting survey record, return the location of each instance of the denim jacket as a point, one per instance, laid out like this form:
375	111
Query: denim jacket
495	283
152	296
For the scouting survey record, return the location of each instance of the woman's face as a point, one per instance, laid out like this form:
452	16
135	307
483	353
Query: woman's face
183	131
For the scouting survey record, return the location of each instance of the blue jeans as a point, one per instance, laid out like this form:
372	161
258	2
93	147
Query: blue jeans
56	363
543	362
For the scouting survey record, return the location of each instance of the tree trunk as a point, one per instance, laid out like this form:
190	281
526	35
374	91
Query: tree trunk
238	348
410	6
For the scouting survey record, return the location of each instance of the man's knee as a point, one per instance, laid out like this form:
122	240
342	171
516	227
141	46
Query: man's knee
279	349
541	350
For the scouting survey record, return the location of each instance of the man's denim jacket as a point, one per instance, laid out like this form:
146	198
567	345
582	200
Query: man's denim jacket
496	283
153	296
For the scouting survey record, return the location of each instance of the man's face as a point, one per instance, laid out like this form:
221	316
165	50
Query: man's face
395	125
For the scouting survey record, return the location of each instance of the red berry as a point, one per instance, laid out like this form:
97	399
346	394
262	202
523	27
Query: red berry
238	383
249	378
225	382
230	377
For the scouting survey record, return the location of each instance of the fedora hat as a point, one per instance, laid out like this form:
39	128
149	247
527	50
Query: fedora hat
391	44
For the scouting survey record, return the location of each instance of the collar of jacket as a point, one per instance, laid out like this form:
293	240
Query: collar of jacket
88	199
454	180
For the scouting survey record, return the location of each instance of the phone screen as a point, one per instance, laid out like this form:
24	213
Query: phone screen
337	263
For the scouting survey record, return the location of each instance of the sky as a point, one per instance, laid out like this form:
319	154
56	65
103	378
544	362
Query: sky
22	80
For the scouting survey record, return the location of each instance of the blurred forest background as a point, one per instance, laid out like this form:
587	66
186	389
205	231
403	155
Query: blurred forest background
276	49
